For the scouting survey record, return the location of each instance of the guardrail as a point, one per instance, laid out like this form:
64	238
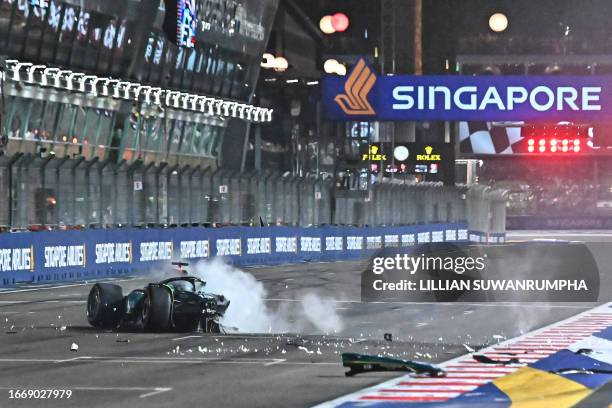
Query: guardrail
90	254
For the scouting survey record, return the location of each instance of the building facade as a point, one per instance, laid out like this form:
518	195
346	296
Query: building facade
125	41
96	95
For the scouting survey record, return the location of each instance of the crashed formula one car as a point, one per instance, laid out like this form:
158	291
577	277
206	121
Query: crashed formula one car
178	303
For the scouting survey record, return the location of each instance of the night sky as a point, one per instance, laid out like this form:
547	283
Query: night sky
445	21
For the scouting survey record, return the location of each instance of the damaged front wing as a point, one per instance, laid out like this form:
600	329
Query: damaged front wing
360	363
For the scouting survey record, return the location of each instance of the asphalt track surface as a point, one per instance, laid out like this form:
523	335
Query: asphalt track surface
39	324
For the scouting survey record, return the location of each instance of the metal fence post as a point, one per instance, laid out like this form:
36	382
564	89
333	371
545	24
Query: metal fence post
207	196
174	197
185	196
137	197
196	196
93	194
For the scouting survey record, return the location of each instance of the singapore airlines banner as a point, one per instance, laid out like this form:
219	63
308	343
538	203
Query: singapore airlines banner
53	256
365	96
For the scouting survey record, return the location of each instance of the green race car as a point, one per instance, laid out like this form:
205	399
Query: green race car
179	303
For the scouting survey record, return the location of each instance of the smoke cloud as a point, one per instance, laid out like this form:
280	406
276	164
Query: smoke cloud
249	311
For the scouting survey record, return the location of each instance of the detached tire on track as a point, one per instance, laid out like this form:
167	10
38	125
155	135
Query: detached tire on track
105	305
157	309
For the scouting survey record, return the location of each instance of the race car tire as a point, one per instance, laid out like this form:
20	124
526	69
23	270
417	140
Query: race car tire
105	305
157	309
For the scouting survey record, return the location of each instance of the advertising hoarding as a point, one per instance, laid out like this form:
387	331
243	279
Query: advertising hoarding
362	95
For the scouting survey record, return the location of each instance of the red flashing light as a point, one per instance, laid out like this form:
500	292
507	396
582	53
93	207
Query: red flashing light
554	140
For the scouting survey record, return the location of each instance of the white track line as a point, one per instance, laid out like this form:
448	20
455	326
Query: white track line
33	288
165	360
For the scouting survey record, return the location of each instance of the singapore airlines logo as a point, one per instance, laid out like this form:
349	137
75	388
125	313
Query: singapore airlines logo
357	87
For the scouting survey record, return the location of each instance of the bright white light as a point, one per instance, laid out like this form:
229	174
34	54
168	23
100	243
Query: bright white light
185	99
226	108
48	71
92	79
292	81
498	22
267	61
241	110
143	89
218	105
157	94
31	72
280	64
312	83
331	66
115	84
326	25
401	153
71	76
126	89
94	84
17	67
133	91
233	106
168	96
211	107
202	101
193	99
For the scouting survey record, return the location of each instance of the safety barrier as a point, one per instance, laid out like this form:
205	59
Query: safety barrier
486	213
49	256
49	193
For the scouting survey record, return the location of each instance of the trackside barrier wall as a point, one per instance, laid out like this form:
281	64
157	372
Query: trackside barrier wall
49	256
523	222
73	193
486	213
